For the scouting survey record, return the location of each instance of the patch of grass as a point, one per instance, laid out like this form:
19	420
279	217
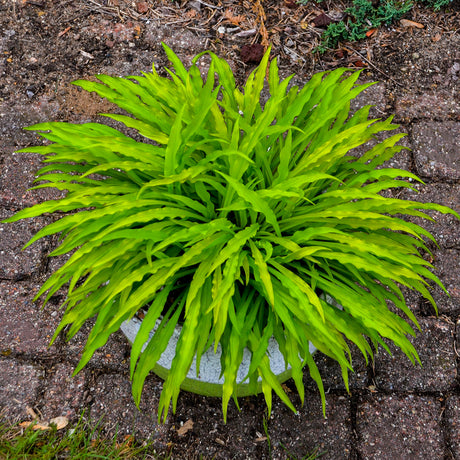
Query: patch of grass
365	15
84	440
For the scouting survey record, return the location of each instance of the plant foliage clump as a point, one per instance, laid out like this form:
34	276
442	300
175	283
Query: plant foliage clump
246	221
363	16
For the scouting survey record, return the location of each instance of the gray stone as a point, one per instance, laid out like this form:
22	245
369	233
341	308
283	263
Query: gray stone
427	105
446	229
21	111
400	427
177	38
375	95
114	402
24	326
436	149
63	395
401	160
447	268
453	425
15	263
435	345
113	355
17	176
332	375
331	434
19	386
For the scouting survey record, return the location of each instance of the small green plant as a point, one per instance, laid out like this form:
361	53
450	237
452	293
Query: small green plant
85	440
243	221
363	16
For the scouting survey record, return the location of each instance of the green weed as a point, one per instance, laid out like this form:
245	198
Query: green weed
84	440
363	16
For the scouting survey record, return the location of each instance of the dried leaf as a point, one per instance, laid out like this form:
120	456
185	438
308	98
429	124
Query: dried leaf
185	428
261	439
233	19
409	23
37	426
60	422
371	32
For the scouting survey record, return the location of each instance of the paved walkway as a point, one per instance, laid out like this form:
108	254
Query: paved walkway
394	411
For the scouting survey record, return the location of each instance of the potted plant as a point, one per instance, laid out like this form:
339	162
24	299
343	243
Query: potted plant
242	223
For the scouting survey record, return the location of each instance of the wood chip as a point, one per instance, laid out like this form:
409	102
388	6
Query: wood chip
409	23
185	428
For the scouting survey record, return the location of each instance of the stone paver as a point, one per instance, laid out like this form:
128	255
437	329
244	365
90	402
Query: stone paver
453	425
113	401
331	435
435	346
447	265
64	395
332	376
15	263
114	354
400	427
436	149
24	327
427	105
17	176
446	229
19	385
375	96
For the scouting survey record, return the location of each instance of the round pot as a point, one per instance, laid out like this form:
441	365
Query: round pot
209	381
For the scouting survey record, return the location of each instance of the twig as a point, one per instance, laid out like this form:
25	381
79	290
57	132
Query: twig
373	66
208	5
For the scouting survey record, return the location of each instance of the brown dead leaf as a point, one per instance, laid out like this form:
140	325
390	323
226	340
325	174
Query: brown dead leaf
261	439
37	426
233	19
59	422
437	37
371	32
185	428
409	23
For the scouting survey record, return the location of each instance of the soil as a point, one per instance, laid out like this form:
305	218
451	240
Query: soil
46	44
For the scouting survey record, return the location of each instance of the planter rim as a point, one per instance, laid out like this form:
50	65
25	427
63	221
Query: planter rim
209	380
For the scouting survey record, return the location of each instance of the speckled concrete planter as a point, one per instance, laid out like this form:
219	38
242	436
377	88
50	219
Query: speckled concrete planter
209	382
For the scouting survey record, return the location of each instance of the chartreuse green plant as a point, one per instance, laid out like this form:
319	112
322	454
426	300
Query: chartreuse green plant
242	220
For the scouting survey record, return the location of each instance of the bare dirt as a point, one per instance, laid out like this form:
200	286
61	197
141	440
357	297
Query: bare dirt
394	410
